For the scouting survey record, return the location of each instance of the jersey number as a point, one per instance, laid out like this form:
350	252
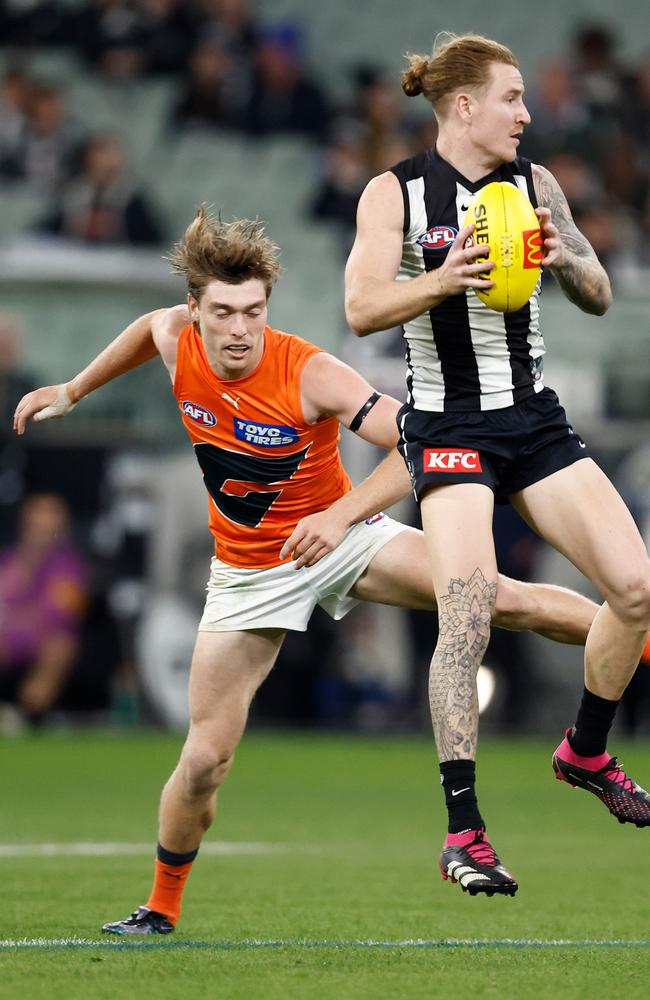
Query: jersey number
236	481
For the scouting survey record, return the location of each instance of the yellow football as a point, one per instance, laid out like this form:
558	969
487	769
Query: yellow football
505	219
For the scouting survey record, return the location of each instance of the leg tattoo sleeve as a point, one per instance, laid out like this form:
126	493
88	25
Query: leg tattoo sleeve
464	614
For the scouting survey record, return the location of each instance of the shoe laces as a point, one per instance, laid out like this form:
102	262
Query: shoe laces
613	771
480	850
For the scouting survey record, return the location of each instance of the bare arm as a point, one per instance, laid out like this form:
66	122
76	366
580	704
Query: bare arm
317	534
147	336
568	254
374	300
332	388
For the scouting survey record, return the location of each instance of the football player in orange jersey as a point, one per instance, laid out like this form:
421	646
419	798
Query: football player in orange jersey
263	410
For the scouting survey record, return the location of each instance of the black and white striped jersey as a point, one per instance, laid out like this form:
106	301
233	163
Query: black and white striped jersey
462	355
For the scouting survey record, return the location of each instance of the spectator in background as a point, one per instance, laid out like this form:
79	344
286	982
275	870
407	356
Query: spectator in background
385	153
344	177
104	205
229	25
207	100
13	377
106	33
610	232
637	109
625	176
580	182
46	147
599	216
14	97
43	596
364	139
217	80
163	35
34	22
424	134
283	98
560	119
601	81
15	380
379	111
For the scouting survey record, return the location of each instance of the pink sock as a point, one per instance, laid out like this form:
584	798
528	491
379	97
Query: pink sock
460	839
565	752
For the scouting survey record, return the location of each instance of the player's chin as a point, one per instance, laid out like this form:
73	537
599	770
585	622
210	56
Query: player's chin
511	149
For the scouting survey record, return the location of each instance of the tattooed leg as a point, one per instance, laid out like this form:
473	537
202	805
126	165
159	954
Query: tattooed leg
464	614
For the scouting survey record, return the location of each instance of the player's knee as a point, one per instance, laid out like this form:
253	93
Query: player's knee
632	603
205	768
514	600
465	642
464	618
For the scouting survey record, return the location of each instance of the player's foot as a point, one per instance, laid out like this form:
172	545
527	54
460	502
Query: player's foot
470	859
604	777
142	921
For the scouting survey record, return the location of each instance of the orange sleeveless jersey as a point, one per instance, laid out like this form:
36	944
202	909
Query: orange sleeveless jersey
264	467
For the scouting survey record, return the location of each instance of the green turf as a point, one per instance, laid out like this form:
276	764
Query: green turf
356	825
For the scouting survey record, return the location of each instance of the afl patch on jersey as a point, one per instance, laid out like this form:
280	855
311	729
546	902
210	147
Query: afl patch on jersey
437	238
199	414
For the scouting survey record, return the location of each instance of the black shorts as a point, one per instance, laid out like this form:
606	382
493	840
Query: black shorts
505	449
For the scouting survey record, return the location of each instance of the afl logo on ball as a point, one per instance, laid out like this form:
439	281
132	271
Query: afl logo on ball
198	413
437	238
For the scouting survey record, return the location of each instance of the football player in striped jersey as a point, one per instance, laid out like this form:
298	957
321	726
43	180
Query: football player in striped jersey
479	426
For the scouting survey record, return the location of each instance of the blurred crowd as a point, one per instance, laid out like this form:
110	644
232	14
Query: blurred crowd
231	72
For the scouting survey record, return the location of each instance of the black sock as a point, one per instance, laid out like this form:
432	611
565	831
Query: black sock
457	778
171	858
588	738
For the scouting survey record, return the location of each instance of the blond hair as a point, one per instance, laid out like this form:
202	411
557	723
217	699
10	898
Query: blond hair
456	61
233	252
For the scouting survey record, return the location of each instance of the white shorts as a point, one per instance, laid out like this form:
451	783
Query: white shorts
285	597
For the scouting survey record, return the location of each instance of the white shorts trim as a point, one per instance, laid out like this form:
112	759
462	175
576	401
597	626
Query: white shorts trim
284	597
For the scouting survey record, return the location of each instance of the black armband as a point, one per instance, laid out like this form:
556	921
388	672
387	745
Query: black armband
364	411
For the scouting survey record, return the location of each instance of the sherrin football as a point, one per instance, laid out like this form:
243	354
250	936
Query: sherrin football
505	219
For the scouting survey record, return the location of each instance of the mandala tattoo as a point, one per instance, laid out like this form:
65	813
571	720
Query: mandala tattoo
464	614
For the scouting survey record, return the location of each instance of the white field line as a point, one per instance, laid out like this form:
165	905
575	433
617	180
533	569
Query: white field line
93	849
252	944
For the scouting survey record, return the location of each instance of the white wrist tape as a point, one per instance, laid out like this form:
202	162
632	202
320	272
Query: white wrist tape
58	408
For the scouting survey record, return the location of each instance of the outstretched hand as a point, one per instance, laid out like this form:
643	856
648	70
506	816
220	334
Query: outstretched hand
314	537
42	404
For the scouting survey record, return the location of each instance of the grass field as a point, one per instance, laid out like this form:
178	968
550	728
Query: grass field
320	880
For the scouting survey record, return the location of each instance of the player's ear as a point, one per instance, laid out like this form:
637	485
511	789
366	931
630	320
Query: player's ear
193	307
464	106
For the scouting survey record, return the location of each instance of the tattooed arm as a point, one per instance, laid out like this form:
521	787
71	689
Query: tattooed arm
567	253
